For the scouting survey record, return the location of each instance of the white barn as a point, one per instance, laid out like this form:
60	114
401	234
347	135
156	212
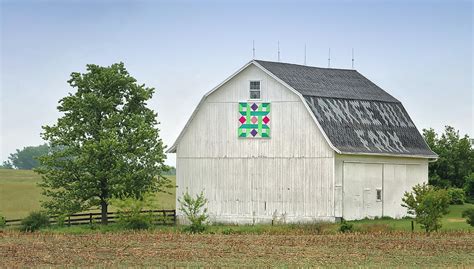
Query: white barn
297	144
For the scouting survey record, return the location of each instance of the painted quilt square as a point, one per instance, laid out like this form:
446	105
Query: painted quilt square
254	119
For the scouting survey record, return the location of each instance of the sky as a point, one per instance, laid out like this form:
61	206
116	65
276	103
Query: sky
419	51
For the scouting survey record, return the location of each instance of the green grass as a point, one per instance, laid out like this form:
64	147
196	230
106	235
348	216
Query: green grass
20	195
453	221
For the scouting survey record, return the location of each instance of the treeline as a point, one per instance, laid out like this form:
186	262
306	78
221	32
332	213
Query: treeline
26	158
455	165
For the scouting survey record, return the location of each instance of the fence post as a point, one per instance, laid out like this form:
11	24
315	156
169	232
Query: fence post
164	217
69	220
90	218
412	226
174	217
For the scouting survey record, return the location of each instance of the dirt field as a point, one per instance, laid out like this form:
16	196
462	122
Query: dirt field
177	249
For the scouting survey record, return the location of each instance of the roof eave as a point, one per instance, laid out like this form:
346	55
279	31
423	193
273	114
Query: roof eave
420	156
172	149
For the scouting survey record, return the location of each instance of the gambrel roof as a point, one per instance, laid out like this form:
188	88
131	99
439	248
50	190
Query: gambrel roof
354	115
327	82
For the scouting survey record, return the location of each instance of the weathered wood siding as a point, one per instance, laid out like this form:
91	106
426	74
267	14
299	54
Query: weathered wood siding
289	176
358	178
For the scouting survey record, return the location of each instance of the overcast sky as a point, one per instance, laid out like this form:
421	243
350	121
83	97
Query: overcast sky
420	52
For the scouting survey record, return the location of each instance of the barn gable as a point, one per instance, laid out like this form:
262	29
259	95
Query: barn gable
285	101
356	115
247	180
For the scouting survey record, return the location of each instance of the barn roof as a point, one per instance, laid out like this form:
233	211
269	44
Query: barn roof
327	82
353	114
357	116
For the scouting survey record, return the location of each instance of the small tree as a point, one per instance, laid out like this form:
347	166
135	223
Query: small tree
428	205
195	210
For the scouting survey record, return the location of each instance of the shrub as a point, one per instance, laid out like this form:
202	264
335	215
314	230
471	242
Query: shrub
130	214
456	196
428	205
137	222
195	210
3	222
346	227
61	220
34	221
469	215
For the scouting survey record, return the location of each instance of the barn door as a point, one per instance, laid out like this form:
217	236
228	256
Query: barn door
362	182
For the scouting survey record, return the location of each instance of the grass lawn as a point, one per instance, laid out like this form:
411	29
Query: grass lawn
19	194
453	221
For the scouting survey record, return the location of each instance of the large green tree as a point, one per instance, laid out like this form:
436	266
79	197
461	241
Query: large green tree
27	158
105	146
456	158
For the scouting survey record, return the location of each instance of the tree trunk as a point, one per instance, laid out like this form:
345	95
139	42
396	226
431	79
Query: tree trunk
104	194
103	207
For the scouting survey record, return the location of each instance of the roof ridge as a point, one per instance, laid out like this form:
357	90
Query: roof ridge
308	66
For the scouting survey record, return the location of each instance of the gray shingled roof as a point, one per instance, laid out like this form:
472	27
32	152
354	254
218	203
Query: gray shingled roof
356	115
327	82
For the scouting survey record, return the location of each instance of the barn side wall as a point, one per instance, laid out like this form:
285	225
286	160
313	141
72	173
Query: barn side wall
357	179
287	178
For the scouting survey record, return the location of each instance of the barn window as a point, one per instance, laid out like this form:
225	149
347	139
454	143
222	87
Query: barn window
379	195
255	89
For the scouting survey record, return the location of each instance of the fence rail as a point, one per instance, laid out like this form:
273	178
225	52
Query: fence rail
159	217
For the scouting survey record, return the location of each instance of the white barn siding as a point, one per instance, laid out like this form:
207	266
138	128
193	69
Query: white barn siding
248	180
358	177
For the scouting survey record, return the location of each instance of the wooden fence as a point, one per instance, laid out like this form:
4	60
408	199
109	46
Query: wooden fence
159	217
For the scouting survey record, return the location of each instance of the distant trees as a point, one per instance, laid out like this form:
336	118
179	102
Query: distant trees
455	165
106	144
26	158
171	170
6	165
